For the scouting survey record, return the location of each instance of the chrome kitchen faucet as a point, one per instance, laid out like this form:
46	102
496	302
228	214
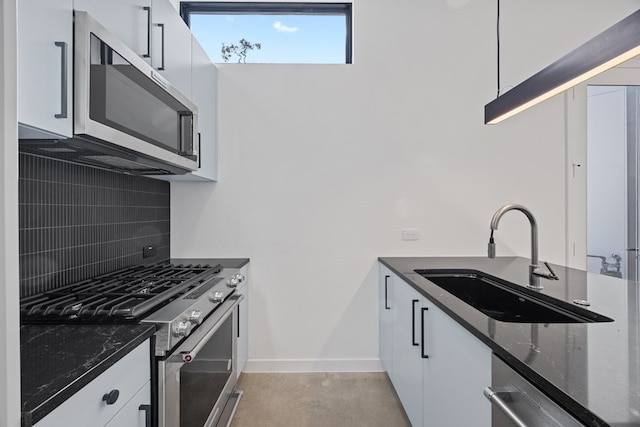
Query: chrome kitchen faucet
534	268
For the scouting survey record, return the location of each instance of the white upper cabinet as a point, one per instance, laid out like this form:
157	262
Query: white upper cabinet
129	20
171	46
204	77
45	52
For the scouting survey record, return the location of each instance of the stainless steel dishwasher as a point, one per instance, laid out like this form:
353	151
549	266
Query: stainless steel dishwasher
517	402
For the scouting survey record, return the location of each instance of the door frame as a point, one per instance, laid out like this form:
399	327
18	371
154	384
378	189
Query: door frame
576	158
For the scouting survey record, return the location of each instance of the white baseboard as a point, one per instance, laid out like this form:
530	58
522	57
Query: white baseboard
313	365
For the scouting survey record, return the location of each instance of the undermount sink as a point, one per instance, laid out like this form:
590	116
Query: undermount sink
502	300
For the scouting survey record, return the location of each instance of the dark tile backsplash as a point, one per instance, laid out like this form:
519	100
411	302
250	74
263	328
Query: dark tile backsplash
77	222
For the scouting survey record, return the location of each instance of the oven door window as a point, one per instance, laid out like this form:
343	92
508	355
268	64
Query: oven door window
125	99
203	381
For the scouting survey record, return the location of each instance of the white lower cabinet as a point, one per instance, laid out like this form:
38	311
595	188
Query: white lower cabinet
439	369
243	322
406	349
137	412
129	379
385	318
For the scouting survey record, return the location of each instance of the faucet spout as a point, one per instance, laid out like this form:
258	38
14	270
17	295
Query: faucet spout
534	226
534	273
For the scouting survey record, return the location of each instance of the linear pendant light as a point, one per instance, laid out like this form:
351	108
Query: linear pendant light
608	49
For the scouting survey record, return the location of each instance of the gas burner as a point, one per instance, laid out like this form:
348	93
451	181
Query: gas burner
126	294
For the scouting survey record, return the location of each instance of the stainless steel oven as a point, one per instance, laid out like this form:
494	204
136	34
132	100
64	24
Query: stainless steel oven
196	382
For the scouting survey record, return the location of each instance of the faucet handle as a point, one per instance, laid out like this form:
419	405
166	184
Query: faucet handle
554	276
551	275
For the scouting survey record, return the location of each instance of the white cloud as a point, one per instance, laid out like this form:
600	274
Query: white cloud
280	27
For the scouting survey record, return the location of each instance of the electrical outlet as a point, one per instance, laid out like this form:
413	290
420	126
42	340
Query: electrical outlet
148	251
411	234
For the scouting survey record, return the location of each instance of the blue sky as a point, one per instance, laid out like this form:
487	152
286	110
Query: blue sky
293	39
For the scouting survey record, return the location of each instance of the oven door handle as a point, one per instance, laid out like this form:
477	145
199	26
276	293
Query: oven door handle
226	310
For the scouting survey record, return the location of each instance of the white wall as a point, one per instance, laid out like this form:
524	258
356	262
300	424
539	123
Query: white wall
322	166
9	320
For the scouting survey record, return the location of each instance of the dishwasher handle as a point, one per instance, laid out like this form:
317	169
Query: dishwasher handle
494	398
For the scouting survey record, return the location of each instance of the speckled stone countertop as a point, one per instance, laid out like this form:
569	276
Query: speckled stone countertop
58	360
592	369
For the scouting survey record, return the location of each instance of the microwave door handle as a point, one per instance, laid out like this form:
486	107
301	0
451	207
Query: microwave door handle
63	80
199	150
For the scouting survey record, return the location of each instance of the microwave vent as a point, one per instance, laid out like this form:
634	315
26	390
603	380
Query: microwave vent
117	162
57	149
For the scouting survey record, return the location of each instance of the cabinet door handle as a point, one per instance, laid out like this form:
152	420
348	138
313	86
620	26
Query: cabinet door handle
161	67
147	414
148	54
413	322
63	80
111	397
238	320
386	285
422	349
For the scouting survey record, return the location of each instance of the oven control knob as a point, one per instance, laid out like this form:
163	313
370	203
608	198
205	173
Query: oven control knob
232	282
240	277
183	329
217	297
196	317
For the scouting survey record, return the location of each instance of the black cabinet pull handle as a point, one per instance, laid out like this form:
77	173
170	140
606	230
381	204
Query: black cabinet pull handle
424	356
147	414
386	284
63	80
413	322
199	150
148	54
161	67
111	397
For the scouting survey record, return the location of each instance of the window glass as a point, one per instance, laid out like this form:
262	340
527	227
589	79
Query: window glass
294	33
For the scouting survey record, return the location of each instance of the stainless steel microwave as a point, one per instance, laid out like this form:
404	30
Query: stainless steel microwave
126	116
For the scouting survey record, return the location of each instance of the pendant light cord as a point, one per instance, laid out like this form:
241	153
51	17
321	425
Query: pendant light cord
498	47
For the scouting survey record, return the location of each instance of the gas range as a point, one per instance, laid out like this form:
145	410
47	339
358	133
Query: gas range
195	310
174	297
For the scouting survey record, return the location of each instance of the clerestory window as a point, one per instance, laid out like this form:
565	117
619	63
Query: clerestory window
278	33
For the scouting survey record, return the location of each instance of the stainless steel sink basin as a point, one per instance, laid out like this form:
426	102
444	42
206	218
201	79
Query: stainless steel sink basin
503	300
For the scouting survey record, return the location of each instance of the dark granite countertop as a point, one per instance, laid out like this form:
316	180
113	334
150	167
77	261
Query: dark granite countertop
58	360
592	369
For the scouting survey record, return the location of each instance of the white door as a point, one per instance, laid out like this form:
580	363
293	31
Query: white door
611	178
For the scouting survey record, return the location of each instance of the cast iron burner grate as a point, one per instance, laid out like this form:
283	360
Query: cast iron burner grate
126	294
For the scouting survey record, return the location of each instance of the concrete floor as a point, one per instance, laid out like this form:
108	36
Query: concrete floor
318	400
